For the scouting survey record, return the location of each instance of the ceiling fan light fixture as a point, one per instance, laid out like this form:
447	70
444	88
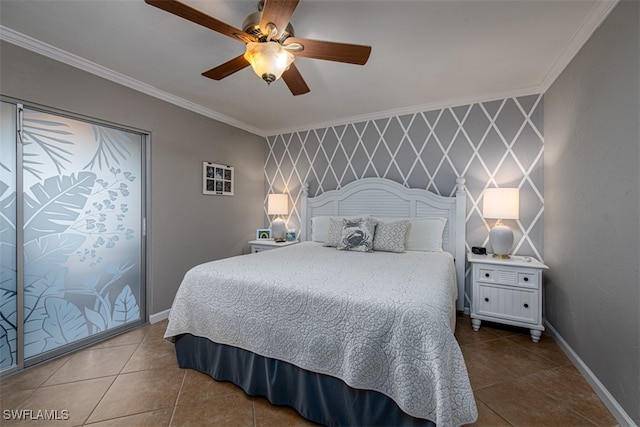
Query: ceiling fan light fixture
268	59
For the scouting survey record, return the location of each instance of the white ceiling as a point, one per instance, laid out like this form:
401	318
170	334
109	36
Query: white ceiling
425	54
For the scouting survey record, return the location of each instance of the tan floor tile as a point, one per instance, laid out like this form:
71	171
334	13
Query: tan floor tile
522	405
229	410
199	387
77	398
157	330
12	399
139	392
152	353
134	336
488	418
32	378
268	415
546	348
567	386
500	360
503	330
161	417
466	335
93	363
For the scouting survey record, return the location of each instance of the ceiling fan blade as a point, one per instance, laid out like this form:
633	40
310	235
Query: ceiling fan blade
277	12
294	81
331	51
226	69
193	15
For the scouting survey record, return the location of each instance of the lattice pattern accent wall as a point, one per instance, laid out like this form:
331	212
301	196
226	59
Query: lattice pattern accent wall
492	144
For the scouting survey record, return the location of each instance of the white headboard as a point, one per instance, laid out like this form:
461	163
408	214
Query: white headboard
385	198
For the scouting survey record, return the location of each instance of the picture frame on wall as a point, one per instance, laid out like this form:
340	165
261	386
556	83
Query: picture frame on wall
263	234
217	179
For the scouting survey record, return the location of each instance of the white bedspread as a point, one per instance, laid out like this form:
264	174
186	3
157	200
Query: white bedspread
378	321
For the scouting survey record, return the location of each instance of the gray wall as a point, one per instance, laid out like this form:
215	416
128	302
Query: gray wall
592	181
187	227
498	143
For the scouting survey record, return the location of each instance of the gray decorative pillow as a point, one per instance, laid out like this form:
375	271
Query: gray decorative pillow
334	233
357	235
390	236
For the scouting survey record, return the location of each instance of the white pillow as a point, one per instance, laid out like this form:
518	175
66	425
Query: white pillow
423	234
320	226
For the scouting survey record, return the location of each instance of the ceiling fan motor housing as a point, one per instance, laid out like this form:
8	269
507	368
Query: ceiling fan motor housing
251	25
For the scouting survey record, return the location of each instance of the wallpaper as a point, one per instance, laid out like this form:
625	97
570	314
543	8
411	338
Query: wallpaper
491	144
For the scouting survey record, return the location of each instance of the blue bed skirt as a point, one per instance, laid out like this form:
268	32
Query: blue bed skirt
319	398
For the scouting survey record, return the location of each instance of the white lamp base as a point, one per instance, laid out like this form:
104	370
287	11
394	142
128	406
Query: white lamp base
501	239
278	229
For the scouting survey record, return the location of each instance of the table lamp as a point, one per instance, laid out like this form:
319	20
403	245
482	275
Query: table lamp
501	203
278	204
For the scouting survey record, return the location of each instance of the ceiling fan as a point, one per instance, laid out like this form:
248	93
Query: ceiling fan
271	44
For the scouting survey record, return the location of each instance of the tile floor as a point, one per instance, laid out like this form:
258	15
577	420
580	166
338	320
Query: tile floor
134	380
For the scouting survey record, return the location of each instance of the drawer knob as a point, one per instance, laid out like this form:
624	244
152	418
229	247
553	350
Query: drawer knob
526	279
486	300
486	274
526	305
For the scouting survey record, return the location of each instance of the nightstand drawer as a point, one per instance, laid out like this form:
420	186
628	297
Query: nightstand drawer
514	304
507	276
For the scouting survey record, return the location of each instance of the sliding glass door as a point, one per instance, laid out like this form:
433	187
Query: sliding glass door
80	247
8	238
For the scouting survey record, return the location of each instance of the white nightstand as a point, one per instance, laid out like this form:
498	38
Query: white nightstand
507	291
266	245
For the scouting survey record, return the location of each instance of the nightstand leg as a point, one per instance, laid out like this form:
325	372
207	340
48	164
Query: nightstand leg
475	323
535	335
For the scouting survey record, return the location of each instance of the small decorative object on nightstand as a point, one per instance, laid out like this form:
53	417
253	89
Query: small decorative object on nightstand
507	291
266	245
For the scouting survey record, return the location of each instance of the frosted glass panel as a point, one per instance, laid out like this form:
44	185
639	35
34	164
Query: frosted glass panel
8	282
82	229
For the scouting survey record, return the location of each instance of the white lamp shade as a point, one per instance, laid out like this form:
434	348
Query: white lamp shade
278	204
501	203
268	60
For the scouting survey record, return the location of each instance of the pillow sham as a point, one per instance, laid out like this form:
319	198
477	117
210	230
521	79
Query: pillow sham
357	235
390	236
423	234
319	228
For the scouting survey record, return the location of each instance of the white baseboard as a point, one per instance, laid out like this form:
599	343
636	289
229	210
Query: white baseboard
609	401
157	317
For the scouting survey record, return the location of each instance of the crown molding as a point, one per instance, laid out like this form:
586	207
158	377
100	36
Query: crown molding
75	61
590	24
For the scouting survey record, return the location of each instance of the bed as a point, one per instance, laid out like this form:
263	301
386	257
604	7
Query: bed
342	336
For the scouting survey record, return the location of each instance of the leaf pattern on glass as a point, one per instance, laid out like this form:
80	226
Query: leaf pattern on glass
112	147
35	297
6	355
48	136
126	307
77	217
58	202
64	323
7	327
